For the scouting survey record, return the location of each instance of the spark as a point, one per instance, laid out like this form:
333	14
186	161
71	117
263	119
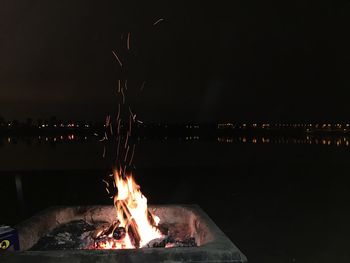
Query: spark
132	114
107	190
121	171
129	131
118	146
158	21
118	112
126	140
123	96
115	55
107	184
142	85
118	85
126	84
128	42
124	169
119	125
104	151
126	154
132	155
108	118
104	138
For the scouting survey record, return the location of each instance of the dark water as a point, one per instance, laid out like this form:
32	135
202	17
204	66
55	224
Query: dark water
279	200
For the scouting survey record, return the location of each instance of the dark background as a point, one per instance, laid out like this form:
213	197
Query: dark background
207	61
234	60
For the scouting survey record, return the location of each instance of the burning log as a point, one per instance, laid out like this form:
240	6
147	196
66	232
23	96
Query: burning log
134	233
109	230
151	219
131	228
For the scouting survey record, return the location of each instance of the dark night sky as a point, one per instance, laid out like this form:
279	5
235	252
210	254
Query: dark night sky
247	60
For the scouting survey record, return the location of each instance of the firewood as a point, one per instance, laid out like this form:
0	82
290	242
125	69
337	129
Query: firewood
131	228
134	235
151	218
111	228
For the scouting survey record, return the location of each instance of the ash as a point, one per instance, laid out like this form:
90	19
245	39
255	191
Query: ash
81	235
72	235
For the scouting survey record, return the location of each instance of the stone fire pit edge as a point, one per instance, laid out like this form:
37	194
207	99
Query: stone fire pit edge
213	245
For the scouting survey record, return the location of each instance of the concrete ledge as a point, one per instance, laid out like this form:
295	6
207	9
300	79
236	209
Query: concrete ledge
214	246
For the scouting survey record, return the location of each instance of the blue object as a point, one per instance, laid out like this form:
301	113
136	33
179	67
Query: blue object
8	239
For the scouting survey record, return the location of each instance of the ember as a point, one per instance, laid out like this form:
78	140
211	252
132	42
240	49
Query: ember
80	234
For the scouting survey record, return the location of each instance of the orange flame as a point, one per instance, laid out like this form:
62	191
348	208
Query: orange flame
133	215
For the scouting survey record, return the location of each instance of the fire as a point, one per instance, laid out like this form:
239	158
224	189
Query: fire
135	225
132	215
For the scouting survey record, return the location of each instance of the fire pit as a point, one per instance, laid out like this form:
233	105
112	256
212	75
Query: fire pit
189	236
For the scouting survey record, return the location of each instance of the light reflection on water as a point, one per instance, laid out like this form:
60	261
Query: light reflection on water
52	140
74	152
249	139
311	140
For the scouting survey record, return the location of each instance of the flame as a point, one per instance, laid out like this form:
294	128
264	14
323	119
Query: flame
133	215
